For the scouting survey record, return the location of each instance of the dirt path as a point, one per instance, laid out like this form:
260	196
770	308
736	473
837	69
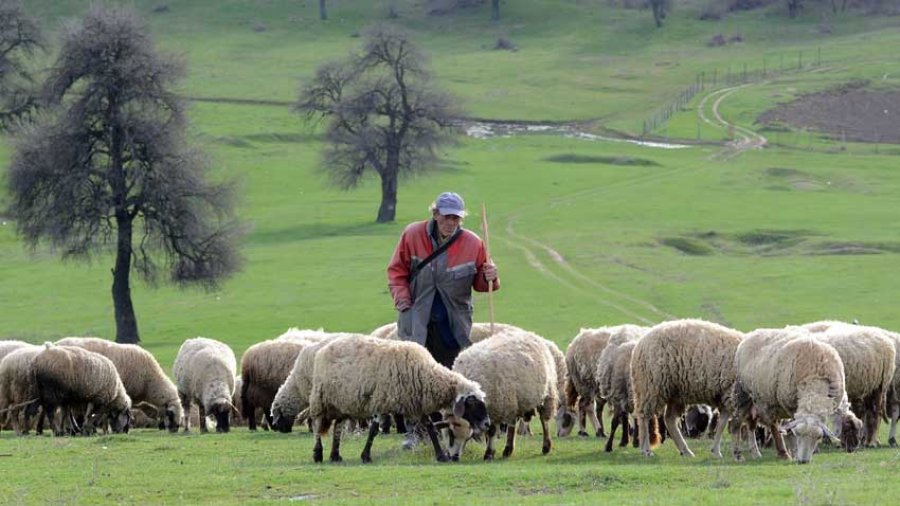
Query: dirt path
743	138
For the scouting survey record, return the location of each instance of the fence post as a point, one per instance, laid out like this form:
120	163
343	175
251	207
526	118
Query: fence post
819	56
800	60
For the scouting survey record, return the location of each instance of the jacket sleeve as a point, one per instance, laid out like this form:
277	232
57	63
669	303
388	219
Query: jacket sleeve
398	273
479	284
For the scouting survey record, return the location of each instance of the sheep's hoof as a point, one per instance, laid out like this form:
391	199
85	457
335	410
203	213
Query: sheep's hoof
507	452
893	442
454	458
608	448
784	456
546	449
738	457
317	456
600	433
489	455
443	458
716	454
366	458
687	453
335	458
648	453
582	433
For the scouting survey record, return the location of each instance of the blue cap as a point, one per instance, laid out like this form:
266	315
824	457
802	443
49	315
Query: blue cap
450	203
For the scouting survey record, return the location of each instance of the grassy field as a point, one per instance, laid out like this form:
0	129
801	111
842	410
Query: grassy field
585	233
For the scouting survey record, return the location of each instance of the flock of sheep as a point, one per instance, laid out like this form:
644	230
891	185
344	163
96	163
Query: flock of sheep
793	386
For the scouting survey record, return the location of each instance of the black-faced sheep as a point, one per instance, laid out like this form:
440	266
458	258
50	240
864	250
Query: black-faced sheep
786	373
358	376
264	368
869	363
518	374
71	378
204	373
679	363
141	374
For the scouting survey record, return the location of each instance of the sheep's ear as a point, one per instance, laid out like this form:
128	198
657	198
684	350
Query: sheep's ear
459	407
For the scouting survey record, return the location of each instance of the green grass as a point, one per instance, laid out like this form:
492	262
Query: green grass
585	234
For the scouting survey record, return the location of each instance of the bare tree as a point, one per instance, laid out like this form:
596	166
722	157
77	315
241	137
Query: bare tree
381	113
495	10
323	11
794	7
107	166
19	38
660	9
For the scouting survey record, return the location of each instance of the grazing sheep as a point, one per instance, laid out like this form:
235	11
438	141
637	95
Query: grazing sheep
70	377
141	374
893	395
582	357
17	387
204	373
787	373
9	346
358	376
479	332
293	395
264	368
679	363
517	371
612	381
869	360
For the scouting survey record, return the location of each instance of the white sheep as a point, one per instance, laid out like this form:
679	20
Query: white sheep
70	377
612	381
679	363
517	371
141	374
786	373
479	332
358	376
18	388
869	360
204	373
11	345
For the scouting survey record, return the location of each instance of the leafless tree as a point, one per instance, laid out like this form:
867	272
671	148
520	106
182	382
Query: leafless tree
106	166
660	8
19	38
495	10
794	7
323	10
381	112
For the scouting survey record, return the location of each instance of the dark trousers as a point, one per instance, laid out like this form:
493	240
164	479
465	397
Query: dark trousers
435	345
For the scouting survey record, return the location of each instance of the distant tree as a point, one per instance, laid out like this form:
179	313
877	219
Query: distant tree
381	112
495	10
794	7
659	7
107	167
19	38
323	12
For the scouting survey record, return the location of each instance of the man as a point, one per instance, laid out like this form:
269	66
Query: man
433	292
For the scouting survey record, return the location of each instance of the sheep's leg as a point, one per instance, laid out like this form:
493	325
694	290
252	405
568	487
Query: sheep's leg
88	427
783	452
754	444
614	425
39	428
524	427
873	417
320	427
367	450
400	423
548	442
596	414
510	440
626	430
335	455
736	427
895	414
584	405
671	419
202	410
644	433
717	441
489	442
439	452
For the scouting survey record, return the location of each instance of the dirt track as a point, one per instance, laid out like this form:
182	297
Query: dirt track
851	112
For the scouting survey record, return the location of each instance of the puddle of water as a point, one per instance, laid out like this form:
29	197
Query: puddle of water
488	130
301	497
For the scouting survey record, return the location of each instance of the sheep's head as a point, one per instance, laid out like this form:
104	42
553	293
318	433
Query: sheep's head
697	420
120	421
173	416
851	431
221	409
808	430
472	408
565	422
460	432
280	421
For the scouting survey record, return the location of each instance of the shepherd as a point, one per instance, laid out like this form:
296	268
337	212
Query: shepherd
436	265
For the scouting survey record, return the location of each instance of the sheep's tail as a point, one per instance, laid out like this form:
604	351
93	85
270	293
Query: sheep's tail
248	410
654	432
571	394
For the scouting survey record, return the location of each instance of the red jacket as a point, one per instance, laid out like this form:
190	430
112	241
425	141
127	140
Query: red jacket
453	274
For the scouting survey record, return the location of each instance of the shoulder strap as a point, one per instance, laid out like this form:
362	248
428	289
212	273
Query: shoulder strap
434	254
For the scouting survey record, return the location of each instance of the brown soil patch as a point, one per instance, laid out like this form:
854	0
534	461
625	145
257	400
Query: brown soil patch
850	112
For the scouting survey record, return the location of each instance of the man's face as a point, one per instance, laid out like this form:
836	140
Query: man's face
447	224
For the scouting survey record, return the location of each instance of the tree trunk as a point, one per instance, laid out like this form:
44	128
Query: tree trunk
495	10
323	13
388	209
126	323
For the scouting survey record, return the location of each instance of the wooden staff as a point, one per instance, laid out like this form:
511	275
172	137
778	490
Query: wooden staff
487	251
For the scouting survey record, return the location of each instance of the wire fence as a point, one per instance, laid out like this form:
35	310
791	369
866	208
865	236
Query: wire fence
732	75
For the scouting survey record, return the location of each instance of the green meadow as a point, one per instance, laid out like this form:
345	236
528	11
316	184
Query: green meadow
584	232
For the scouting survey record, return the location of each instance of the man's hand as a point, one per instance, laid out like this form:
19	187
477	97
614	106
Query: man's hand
490	272
403	306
